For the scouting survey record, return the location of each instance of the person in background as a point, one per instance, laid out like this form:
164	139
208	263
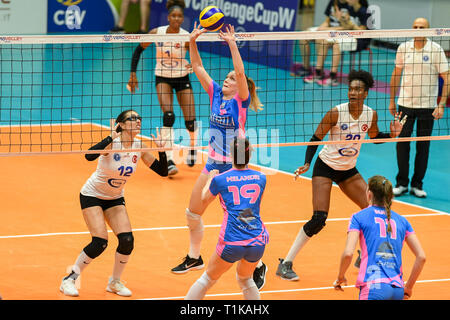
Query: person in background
418	65
144	11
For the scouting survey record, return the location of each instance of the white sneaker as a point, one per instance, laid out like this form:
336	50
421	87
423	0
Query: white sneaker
398	191
117	287
419	193
68	287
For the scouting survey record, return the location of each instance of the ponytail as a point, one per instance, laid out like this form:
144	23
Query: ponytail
382	195
255	103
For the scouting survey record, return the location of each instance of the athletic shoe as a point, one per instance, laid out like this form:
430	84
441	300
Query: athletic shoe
297	70
117	287
171	168
259	276
285	271
327	82
117	29
399	190
189	264
358	259
310	79
419	193
68	287
191	158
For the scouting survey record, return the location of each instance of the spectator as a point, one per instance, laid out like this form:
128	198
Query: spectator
145	14
332	12
419	64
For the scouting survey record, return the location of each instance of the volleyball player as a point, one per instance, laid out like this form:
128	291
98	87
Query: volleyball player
381	233
337	162
171	74
229	107
242	236
102	200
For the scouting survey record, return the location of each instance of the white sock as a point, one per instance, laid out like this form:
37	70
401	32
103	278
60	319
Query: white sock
259	265
200	287
298	244
120	262
82	262
248	287
195	224
167	135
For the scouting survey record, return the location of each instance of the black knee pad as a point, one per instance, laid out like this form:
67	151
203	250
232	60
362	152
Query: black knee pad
316	223
96	247
168	119
126	243
191	125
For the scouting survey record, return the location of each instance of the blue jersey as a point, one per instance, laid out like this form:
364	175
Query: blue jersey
226	121
381	252
240	193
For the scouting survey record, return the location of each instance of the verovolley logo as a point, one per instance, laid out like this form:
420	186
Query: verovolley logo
109	37
349	34
441	31
10	39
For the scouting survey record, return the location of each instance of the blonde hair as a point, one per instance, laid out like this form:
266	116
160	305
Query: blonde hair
382	195
255	103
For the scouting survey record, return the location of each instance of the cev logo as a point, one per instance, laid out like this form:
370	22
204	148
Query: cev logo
72	17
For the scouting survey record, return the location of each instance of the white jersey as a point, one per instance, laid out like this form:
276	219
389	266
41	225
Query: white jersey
344	156
113	171
421	68
170	57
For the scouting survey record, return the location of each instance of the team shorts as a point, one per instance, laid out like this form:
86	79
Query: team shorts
216	165
381	291
87	201
321	169
177	84
232	254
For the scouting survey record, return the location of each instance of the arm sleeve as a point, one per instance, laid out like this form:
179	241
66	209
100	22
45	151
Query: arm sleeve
99	146
354	224
135	59
311	150
160	167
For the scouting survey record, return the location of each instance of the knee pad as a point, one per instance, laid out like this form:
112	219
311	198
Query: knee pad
126	243
245	283
316	223
194	221
96	247
191	125
168	119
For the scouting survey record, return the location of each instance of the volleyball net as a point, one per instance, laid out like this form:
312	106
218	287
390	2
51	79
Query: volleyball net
59	93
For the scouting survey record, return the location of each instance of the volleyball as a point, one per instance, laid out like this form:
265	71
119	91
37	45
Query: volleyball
212	18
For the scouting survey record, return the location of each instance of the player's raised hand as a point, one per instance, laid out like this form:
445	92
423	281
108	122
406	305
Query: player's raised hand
113	127
396	126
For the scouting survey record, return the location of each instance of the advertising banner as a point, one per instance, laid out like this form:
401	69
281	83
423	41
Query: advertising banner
246	16
23	16
94	16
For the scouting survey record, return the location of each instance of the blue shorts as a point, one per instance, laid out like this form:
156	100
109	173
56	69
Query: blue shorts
213	165
235	253
381	291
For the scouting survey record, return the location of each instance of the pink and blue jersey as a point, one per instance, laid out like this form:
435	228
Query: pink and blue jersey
240	193
227	120
381	252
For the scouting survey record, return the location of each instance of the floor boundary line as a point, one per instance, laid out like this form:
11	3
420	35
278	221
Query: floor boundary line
206	226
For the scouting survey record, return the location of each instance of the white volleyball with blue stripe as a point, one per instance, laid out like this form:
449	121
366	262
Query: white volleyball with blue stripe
212	18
